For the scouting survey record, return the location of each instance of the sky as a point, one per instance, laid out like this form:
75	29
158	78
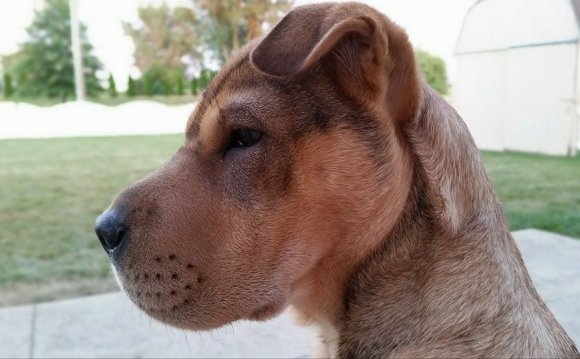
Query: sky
432	25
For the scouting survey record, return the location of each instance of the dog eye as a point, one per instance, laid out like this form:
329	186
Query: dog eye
245	138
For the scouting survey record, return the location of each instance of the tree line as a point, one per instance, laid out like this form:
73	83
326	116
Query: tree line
176	50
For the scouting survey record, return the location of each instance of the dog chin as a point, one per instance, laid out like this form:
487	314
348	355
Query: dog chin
267	312
180	314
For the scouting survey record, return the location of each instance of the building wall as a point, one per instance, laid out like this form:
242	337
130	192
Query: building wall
517	72
479	96
540	93
521	99
500	24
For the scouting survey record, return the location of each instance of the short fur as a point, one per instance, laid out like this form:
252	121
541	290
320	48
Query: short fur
365	206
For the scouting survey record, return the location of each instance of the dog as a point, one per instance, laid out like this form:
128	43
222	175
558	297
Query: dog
320	172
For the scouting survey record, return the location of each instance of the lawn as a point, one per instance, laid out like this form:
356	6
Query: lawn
50	194
542	192
52	190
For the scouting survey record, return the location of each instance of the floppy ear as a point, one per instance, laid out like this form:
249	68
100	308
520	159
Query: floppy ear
367	55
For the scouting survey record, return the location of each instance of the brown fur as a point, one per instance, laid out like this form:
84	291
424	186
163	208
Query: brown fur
365	206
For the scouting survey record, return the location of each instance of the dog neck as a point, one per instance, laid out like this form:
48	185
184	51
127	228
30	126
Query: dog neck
450	243
451	212
318	295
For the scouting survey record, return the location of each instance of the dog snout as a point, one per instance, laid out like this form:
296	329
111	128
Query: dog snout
111	229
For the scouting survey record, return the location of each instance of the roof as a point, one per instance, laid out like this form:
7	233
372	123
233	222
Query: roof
498	25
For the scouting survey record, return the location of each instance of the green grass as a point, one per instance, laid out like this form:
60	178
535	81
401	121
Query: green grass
52	190
542	192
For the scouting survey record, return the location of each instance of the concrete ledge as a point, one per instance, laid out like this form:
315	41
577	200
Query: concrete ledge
110	326
553	262
16	326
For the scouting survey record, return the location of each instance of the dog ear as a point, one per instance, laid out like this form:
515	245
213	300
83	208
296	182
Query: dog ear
368	56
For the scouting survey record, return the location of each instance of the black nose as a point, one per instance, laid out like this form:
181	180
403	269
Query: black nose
110	229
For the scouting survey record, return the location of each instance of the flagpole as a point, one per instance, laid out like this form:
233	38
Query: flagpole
77	51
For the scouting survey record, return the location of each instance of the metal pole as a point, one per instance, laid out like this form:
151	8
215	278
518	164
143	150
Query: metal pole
77	51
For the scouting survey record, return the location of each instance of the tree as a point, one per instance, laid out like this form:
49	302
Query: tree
112	86
166	37
434	70
229	24
8	87
44	65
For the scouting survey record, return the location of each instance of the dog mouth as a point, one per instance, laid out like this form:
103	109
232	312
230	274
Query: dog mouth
172	290
163	287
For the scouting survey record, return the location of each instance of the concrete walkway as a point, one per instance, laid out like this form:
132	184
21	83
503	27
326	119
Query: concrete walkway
109	326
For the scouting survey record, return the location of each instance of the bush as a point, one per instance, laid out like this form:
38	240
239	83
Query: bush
159	80
166	87
112	87
8	86
193	86
205	78
434	70
180	85
199	83
131	87
148	85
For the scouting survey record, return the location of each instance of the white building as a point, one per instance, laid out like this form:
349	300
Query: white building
518	76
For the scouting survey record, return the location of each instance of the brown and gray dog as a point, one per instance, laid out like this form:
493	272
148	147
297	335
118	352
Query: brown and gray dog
320	172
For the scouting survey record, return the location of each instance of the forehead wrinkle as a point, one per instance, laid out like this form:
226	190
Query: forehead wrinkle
210	117
211	92
245	115
246	105
208	128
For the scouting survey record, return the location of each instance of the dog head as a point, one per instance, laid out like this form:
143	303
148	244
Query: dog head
293	167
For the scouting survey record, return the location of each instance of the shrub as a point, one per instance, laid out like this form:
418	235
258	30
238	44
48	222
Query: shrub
112	86
8	86
193	86
149	85
434	70
159	80
199	83
180	85
205	78
131	87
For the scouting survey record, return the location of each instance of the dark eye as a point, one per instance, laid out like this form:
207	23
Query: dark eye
245	138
